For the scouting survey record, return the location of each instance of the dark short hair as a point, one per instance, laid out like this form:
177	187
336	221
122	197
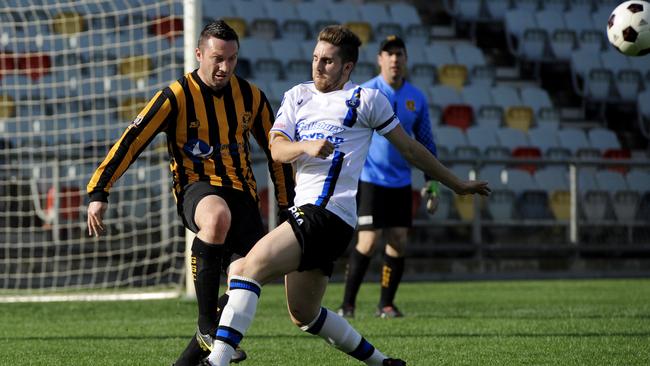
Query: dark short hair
344	38
218	29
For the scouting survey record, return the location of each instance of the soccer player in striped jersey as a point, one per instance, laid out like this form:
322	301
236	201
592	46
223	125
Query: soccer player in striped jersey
385	204
208	116
324	127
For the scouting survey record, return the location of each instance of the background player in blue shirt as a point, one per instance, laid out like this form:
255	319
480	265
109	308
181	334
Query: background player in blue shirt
384	197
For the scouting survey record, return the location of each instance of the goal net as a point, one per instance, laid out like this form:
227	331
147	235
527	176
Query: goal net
73	74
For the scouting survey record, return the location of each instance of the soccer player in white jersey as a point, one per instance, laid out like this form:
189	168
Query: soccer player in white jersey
324	127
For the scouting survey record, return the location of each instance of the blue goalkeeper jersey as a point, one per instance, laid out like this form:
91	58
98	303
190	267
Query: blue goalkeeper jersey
384	165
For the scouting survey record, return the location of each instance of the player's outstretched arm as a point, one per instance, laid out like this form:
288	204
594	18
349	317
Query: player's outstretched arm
285	151
416	154
96	210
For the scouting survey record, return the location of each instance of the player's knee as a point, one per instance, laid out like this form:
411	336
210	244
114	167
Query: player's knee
302	316
215	223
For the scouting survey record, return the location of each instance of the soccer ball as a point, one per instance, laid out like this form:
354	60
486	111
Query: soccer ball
628	28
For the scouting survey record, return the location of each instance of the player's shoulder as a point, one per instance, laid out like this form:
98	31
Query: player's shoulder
301	89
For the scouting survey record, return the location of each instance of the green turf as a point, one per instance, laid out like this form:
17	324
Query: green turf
583	322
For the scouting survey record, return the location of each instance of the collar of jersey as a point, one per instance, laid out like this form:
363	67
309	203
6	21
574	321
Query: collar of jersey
217	93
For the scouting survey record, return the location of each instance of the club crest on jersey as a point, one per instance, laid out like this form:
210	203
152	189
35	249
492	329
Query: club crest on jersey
355	101
198	149
194	124
246	120
410	105
297	214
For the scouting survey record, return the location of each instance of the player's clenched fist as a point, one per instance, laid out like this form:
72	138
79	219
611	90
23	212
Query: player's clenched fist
318	148
96	210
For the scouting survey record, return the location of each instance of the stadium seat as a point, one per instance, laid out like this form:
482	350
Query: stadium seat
527	152
268	69
7	106
539	100
216	9
383	30
453	75
136	67
472	57
343	12
448	139
238	24
511	138
585	6
439	54
519	117
34	65
560	39
315	13
500	204
404	13
497	8
617	154
626	79
250	10
169	27
130	107
523	36
486	112
482	137
282	12
465	206
543	138
557	5
441	96
68	23
254	49
364	71
583	61
458	115
374	13
603	139
505	96
69	205
298	71
422	75
363	30
573	139
560	204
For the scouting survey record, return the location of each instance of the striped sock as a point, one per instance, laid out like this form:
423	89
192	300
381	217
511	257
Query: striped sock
339	333
236	317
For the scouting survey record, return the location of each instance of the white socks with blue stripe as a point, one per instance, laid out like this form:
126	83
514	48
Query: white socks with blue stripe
236	317
339	333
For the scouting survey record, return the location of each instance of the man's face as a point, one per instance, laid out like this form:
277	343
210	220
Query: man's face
217	60
327	69
392	63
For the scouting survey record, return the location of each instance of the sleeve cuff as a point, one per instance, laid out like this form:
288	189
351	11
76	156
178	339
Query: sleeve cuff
98	196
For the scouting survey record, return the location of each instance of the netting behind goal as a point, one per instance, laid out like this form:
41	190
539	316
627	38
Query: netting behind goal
73	74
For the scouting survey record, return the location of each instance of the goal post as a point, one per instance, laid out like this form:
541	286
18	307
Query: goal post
73	75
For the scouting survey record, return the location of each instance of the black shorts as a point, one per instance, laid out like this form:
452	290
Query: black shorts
246	226
322	235
384	207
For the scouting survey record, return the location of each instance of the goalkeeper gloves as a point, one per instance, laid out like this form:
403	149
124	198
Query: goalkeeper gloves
430	193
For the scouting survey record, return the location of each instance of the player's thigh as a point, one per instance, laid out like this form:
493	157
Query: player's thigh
273	256
305	291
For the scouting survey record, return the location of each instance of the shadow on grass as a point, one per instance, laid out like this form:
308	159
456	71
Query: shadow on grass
370	335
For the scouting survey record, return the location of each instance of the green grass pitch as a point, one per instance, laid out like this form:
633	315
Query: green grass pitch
557	322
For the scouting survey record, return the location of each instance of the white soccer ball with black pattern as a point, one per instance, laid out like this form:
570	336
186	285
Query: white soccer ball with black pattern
628	28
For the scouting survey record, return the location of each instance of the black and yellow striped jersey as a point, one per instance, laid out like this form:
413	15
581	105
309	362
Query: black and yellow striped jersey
208	136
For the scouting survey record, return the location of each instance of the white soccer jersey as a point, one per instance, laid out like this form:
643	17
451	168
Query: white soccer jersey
345	117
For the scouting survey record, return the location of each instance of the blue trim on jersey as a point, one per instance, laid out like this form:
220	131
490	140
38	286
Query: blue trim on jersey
229	336
352	103
330	180
236	284
318	325
363	351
